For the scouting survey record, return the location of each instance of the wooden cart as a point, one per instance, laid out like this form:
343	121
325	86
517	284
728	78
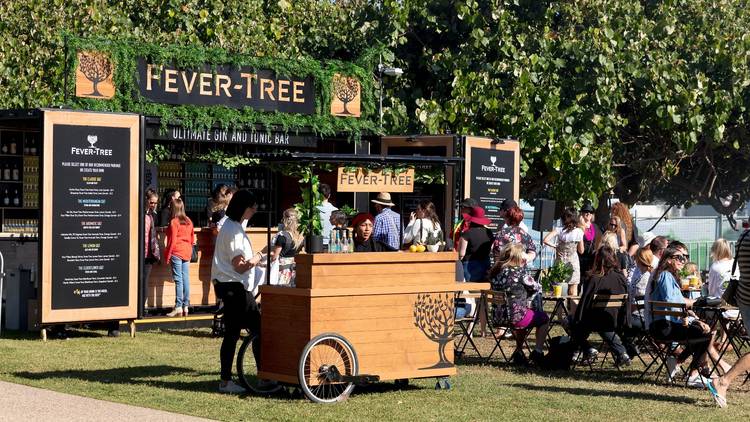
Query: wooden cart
355	318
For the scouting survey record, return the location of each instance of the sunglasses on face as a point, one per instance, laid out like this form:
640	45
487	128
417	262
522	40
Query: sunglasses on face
681	258
612	225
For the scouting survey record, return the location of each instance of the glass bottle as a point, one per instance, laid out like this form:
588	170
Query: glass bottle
350	241
16	198
13	147
16	174
6	199
334	241
6	172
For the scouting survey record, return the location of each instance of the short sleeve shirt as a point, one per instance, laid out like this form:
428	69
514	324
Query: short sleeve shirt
478	243
231	242
512	234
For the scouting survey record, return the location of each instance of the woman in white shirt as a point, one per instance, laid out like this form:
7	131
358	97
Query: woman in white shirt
569	245
233	273
424	221
721	269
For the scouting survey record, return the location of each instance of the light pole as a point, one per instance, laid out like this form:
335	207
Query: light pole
388	71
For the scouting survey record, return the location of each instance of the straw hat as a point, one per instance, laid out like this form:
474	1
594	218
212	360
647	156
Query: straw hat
384	198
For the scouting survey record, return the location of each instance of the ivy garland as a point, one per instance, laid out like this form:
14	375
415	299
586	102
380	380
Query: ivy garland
124	56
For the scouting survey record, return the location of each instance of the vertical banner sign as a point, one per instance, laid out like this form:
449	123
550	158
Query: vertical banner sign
492	174
90	211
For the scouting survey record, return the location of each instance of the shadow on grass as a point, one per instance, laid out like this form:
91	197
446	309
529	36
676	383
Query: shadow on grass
580	373
137	375
196	333
608	393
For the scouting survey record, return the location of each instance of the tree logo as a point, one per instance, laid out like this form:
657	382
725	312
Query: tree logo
433	315
346	92
94	75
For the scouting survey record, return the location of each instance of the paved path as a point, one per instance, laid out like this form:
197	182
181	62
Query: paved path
22	403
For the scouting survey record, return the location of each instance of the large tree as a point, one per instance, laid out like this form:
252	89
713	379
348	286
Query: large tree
647	99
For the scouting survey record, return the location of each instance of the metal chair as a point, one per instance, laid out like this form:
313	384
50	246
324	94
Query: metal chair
664	348
465	325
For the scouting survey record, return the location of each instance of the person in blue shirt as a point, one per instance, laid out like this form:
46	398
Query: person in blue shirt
666	288
387	227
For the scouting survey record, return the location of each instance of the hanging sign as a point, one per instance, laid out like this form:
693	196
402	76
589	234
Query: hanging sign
94	76
369	180
231	86
346	94
231	136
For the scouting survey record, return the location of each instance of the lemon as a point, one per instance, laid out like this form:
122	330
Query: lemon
413	248
421	248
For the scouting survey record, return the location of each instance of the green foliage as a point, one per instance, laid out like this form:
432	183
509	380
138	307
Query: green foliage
222	158
559	272
295	33
648	98
309	216
157	153
348	210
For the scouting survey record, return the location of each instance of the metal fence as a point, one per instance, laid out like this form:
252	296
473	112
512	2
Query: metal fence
698	233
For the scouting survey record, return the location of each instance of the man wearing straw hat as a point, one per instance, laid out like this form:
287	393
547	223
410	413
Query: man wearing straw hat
387	223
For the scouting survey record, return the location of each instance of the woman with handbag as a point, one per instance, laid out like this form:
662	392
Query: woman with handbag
179	252
738	293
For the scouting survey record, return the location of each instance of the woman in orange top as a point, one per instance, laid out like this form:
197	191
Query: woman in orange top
180	241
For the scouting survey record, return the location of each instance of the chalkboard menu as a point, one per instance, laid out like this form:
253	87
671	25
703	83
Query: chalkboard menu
492	175
90	208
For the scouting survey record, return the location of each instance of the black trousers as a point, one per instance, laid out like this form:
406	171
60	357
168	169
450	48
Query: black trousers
580	336
697	341
240	311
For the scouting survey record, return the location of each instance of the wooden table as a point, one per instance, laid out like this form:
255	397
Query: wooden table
394	308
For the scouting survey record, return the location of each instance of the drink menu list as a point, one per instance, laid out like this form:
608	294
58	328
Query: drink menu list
90	216
492	180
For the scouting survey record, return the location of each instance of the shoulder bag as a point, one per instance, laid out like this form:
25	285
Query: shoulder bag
730	294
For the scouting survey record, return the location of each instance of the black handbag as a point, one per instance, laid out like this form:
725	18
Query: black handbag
194	255
730	294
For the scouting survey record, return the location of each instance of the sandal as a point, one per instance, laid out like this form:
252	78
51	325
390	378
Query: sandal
720	400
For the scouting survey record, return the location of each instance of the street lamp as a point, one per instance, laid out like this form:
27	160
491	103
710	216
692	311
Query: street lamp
388	71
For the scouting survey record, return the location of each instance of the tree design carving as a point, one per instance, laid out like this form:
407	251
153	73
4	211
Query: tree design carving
345	89
433	315
96	68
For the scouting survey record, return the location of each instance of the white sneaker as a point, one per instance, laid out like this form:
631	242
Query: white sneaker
672	367
231	388
698	381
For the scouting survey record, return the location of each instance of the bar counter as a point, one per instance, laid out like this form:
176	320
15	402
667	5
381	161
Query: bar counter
160	287
394	308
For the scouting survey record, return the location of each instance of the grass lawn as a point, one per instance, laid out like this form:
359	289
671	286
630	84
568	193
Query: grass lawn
178	371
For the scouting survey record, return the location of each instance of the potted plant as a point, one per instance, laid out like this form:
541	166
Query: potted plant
558	273
309	216
434	241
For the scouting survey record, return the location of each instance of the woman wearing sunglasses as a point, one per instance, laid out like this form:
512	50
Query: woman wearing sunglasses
666	288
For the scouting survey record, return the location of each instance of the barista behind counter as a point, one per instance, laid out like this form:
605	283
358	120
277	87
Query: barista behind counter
362	224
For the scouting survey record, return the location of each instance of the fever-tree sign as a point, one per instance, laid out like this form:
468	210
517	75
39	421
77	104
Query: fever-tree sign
90	259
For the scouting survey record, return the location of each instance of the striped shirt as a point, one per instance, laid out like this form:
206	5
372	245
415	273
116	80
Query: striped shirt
743	261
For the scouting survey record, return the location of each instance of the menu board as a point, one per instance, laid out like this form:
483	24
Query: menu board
89	213
492	175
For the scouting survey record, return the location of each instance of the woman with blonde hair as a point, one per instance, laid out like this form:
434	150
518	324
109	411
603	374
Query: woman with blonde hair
289	241
721	268
611	239
510	275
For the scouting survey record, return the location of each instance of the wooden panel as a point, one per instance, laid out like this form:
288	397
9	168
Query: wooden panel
387	258
285	332
425	278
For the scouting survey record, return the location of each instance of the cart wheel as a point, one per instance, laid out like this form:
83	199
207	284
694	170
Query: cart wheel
326	363
443	383
402	383
247	370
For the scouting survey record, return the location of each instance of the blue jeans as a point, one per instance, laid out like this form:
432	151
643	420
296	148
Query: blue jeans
181	277
476	270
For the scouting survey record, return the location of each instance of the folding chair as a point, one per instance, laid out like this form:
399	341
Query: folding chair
492	300
640	340
602	301
664	348
465	326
